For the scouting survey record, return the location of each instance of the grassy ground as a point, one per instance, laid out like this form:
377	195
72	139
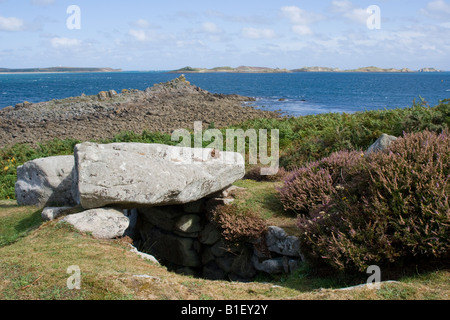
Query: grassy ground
35	255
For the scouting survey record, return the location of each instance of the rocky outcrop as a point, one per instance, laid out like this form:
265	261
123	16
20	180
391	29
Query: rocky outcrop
44	182
165	107
142	175
381	144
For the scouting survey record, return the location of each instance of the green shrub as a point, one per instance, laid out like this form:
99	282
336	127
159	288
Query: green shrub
314	137
391	208
144	137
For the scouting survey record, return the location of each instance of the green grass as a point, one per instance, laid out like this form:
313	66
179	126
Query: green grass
16	222
260	197
36	255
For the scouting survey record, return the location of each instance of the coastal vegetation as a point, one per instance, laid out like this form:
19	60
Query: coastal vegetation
302	139
325	182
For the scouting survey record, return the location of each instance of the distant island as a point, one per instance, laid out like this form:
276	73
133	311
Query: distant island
246	69
57	70
241	69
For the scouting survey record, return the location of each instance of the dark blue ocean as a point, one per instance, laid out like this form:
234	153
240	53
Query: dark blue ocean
303	93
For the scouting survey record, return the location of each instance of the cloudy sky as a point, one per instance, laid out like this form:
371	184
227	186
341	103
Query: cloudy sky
170	34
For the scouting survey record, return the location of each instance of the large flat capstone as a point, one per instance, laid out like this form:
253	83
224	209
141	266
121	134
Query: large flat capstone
134	175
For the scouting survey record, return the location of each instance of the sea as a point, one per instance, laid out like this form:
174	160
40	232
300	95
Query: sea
293	94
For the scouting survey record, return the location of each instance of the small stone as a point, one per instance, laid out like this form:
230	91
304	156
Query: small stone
51	213
209	235
144	256
279	242
162	217
106	223
270	266
381	144
112	93
188	223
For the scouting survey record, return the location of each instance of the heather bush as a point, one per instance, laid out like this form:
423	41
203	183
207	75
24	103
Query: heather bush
238	225
319	182
410	186
391	208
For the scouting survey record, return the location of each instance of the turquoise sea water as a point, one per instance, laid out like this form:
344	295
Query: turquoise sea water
301	93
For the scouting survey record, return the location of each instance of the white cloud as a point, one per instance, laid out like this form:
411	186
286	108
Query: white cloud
141	23
139	35
144	24
182	44
341	6
349	11
251	19
253	33
301	19
210	27
149	35
61	42
358	15
439	9
299	16
302	30
11	24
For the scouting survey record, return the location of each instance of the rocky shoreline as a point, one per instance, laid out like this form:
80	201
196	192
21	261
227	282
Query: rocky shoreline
164	108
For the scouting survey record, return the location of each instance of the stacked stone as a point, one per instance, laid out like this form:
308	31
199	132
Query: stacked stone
159	196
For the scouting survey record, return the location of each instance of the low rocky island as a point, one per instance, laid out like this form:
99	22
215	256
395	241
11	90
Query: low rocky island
241	69
246	69
377	69
164	108
429	70
57	70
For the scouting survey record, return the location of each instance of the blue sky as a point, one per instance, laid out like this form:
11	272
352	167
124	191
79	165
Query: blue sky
163	35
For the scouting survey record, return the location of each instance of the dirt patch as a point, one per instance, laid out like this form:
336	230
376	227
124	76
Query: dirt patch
163	108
